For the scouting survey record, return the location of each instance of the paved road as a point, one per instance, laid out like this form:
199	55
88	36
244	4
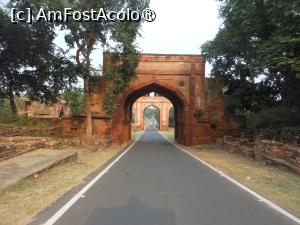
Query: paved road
157	184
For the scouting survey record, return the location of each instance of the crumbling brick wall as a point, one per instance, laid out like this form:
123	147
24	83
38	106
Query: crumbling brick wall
8	130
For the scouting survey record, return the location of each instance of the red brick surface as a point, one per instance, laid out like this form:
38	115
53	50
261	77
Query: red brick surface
161	103
198	101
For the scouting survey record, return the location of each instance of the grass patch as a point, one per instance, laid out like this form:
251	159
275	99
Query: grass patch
277	184
23	200
169	134
135	134
23	121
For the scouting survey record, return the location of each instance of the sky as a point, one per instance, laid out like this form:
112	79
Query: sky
181	27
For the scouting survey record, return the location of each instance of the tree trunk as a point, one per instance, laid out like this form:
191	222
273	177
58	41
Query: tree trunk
13	105
89	125
85	49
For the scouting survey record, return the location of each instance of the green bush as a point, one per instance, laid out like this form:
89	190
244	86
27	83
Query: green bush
75	99
274	117
6	116
5	110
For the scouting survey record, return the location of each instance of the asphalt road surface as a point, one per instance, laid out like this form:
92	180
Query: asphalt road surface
155	183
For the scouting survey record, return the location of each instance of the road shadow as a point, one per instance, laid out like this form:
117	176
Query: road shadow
133	213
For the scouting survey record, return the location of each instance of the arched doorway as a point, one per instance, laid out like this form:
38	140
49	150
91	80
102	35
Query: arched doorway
151	116
155	100
121	123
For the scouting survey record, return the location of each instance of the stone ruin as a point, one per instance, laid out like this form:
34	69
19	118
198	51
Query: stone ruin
34	109
282	150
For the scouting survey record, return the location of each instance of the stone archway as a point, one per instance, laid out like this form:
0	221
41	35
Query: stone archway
121	121
198	101
152	123
160	102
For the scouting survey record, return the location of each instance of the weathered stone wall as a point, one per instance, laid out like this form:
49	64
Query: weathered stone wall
14	145
16	140
290	135
8	130
266	150
73	126
7	150
41	110
77	126
270	148
239	145
212	122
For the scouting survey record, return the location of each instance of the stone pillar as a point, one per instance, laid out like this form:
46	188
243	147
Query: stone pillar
161	116
168	107
188	122
126	126
139	117
202	86
164	116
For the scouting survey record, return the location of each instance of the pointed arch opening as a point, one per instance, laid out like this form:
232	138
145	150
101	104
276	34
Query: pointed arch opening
125	114
151	117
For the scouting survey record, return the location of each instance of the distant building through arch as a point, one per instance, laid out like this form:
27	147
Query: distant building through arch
160	102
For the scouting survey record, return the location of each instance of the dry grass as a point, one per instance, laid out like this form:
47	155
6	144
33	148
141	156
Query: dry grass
169	134
275	183
21	201
22	121
135	134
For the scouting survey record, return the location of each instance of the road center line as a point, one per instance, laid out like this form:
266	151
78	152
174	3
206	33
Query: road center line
77	196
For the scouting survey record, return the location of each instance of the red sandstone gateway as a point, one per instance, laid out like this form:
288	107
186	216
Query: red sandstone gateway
198	101
159	102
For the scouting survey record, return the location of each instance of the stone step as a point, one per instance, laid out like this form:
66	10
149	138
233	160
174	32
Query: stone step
22	166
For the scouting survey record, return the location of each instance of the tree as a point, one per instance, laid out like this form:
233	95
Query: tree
30	63
148	113
5	110
156	113
152	112
75	100
257	52
85	36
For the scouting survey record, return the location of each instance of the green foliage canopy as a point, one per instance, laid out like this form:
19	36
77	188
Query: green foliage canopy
30	62
75	100
116	37
122	60
257	52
